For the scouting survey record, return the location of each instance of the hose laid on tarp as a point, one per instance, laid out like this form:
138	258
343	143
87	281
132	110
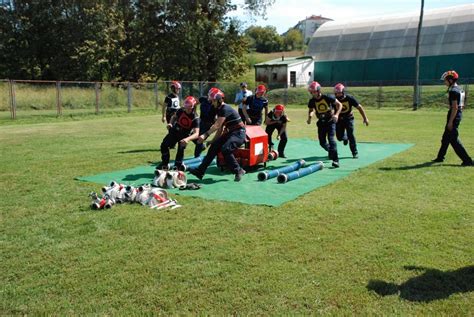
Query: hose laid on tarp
263	176
283	178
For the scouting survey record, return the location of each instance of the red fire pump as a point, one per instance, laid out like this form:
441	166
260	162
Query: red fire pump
255	151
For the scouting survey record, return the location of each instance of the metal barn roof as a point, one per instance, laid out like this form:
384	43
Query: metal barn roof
285	61
445	31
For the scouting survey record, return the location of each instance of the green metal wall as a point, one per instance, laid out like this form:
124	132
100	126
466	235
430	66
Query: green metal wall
393	70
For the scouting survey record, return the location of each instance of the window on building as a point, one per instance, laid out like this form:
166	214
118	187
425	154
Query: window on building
274	76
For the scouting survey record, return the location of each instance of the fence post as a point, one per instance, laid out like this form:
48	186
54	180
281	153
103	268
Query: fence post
129	97
201	89
155	91
97	98
58	98
285	96
12	99
420	94
380	97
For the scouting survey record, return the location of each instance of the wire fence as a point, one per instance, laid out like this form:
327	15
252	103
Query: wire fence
67	98
25	98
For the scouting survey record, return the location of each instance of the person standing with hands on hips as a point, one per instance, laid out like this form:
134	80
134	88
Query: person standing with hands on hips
456	98
327	111
345	124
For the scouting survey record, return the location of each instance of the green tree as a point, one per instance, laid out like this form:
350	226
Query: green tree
145	41
12	65
25	46
257	7
97	50
123	39
60	40
194	41
293	40
266	38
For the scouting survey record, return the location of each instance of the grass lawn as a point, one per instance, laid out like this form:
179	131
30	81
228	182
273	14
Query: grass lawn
395	238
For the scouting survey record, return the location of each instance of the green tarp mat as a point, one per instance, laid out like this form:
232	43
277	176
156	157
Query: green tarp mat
221	186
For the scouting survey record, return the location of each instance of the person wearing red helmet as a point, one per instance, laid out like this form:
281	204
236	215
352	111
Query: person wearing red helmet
456	99
327	110
183	128
230	136
207	116
345	124
171	103
276	120
255	104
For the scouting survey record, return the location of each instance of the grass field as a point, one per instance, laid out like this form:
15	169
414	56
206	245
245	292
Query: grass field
395	238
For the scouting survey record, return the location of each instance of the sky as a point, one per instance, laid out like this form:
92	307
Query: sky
284	14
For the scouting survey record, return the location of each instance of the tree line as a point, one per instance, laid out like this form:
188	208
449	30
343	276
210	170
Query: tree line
128	40
266	39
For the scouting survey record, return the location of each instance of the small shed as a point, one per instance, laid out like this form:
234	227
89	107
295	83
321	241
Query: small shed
285	72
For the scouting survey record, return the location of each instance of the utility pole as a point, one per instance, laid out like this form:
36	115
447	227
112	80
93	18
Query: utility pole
416	92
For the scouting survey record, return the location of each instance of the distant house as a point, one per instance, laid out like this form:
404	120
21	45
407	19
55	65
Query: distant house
285	72
309	25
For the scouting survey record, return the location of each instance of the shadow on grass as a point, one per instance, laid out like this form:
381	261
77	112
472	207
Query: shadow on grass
213	170
216	171
208	181
134	177
412	167
139	151
431	285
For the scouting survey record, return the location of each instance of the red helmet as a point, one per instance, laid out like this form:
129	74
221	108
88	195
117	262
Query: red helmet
279	108
339	88
190	102
216	94
261	89
314	86
450	74
211	91
176	85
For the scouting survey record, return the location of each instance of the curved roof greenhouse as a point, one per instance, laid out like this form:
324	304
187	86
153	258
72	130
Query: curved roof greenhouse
382	50
445	31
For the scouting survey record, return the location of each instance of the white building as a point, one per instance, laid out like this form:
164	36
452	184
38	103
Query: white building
285	72
309	25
